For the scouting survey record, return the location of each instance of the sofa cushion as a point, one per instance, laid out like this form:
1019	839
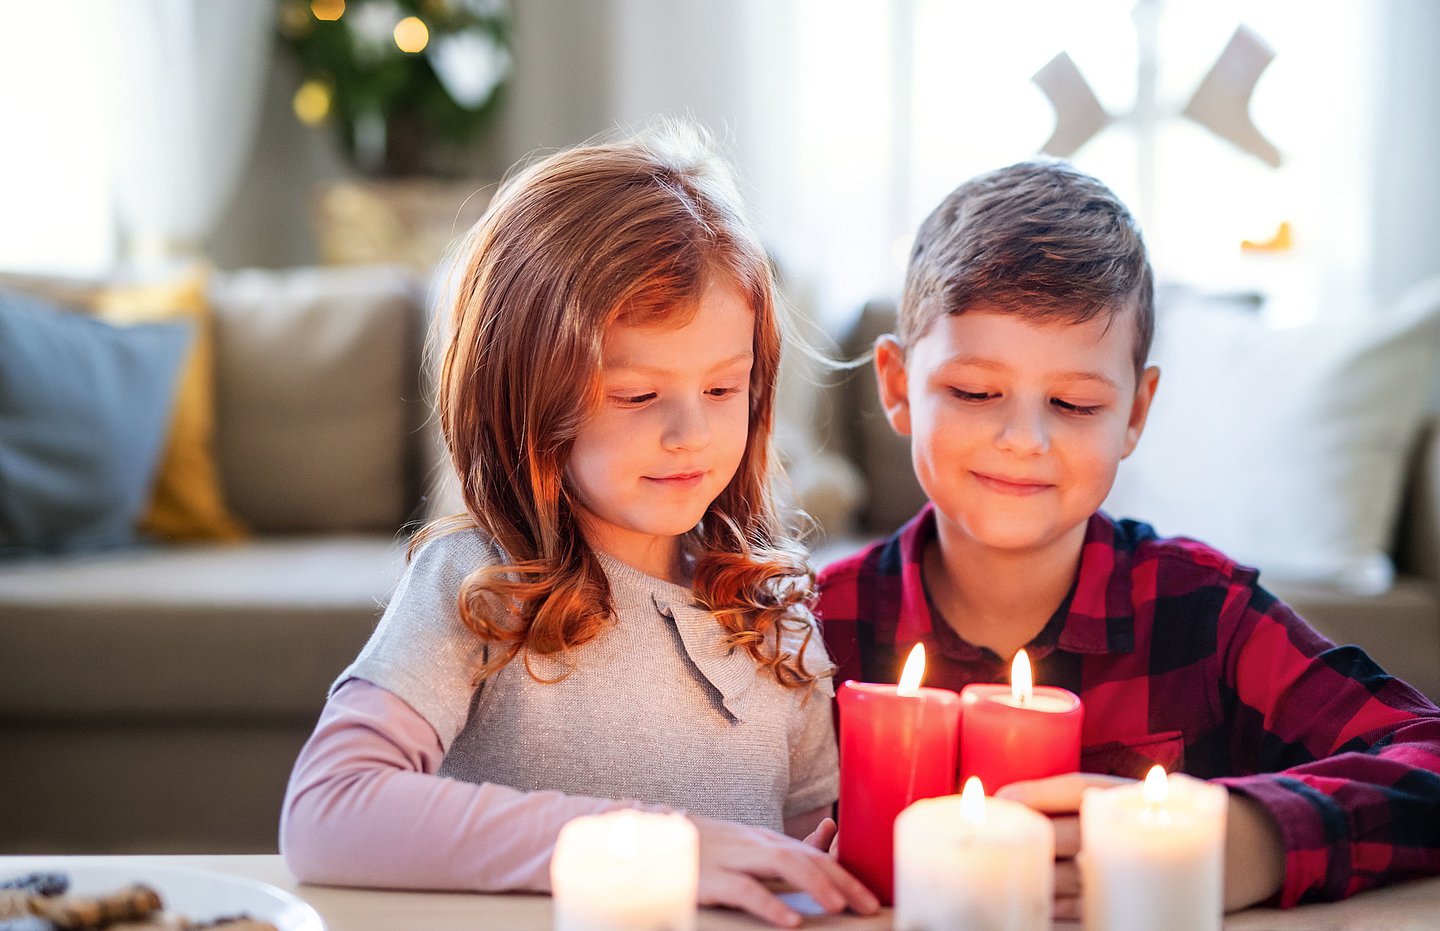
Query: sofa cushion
187	502
1286	448
201	631
83	412
317	374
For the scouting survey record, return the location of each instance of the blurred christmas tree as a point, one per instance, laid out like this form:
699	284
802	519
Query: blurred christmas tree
405	83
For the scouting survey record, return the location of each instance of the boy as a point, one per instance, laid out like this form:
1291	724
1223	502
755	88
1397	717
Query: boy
1018	371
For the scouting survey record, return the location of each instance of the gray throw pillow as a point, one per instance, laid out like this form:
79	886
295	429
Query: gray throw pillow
84	412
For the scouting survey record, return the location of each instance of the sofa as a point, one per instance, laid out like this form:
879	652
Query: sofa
153	697
1397	624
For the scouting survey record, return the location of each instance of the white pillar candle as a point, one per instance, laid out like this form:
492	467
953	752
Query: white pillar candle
967	861
1152	855
626	871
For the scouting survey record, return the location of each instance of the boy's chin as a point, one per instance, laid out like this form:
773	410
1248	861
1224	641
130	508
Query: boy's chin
1013	536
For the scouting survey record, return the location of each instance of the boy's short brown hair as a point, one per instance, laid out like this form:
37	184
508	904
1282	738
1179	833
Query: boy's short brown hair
1040	239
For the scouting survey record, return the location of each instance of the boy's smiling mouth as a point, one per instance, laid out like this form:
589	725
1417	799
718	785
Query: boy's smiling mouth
1011	486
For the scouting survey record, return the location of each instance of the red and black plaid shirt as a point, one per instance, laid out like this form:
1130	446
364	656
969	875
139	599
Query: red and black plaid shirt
1182	659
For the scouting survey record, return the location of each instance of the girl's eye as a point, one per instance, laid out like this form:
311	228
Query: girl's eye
635	400
971	395
1080	409
722	392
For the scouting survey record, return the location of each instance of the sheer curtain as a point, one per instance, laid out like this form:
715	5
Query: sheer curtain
184	82
55	213
131	122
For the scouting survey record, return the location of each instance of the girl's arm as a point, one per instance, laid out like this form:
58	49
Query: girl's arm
364	808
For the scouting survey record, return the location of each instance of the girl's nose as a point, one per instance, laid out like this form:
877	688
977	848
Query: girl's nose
686	426
1023	430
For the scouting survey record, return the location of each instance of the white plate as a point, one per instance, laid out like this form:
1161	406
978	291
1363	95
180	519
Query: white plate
199	895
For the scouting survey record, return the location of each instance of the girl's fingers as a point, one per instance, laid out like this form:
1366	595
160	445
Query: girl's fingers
1067	836
857	897
1068	909
819	874
737	890
728	851
823	834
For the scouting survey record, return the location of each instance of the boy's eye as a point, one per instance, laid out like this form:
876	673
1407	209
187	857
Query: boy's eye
1082	409
964	395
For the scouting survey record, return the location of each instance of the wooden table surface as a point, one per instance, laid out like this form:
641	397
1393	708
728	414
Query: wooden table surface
1407	907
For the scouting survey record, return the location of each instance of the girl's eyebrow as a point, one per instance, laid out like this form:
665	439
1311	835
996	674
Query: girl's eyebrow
994	365
747	357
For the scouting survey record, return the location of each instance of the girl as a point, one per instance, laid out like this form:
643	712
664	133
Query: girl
620	619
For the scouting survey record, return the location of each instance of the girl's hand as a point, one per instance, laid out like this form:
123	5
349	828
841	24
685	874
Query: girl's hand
1059	797
736	860
824	835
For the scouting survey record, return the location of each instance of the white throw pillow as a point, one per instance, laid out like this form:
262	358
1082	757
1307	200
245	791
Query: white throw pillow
1285	448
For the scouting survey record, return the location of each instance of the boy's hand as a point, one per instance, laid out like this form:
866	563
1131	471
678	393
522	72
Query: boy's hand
1059	797
737	860
1254	850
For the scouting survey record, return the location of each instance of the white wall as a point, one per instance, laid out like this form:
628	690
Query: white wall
1407	188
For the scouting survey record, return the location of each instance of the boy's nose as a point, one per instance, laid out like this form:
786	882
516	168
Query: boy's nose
1023	431
685	427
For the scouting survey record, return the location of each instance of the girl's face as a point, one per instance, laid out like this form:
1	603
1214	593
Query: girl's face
669	433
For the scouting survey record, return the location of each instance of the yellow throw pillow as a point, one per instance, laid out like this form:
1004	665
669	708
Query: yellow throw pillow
187	502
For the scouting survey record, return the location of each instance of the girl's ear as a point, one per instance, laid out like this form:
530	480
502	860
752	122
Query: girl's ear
890	377
1140	407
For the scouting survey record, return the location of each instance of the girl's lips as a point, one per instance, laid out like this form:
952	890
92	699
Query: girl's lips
678	480
1007	487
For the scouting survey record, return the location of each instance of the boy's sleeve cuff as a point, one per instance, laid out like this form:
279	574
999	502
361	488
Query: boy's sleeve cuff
1299	812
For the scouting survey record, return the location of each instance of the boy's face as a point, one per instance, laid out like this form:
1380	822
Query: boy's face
1016	426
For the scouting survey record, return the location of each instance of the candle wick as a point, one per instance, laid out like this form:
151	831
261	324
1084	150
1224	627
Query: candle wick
1155	813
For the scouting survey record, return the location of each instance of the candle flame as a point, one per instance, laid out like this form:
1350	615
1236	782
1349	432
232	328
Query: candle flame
914	672
972	802
1157	786
1022	680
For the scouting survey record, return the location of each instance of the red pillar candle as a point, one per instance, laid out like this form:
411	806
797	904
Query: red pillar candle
1018	731
898	743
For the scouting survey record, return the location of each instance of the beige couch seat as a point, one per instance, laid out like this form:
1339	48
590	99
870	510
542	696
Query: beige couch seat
154	698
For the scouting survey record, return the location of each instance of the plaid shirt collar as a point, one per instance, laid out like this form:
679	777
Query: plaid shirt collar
1096	617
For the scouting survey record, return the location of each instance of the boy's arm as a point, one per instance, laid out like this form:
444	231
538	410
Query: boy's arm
1254	849
1344	758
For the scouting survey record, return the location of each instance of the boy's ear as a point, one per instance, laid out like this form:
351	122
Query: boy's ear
891	380
1140	407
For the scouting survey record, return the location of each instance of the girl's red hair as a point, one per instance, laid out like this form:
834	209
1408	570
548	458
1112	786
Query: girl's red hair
630	231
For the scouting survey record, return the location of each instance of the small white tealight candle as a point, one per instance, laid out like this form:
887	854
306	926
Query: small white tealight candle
626	871
1152	855
967	861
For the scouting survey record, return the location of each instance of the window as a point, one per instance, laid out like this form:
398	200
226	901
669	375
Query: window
55	186
896	103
